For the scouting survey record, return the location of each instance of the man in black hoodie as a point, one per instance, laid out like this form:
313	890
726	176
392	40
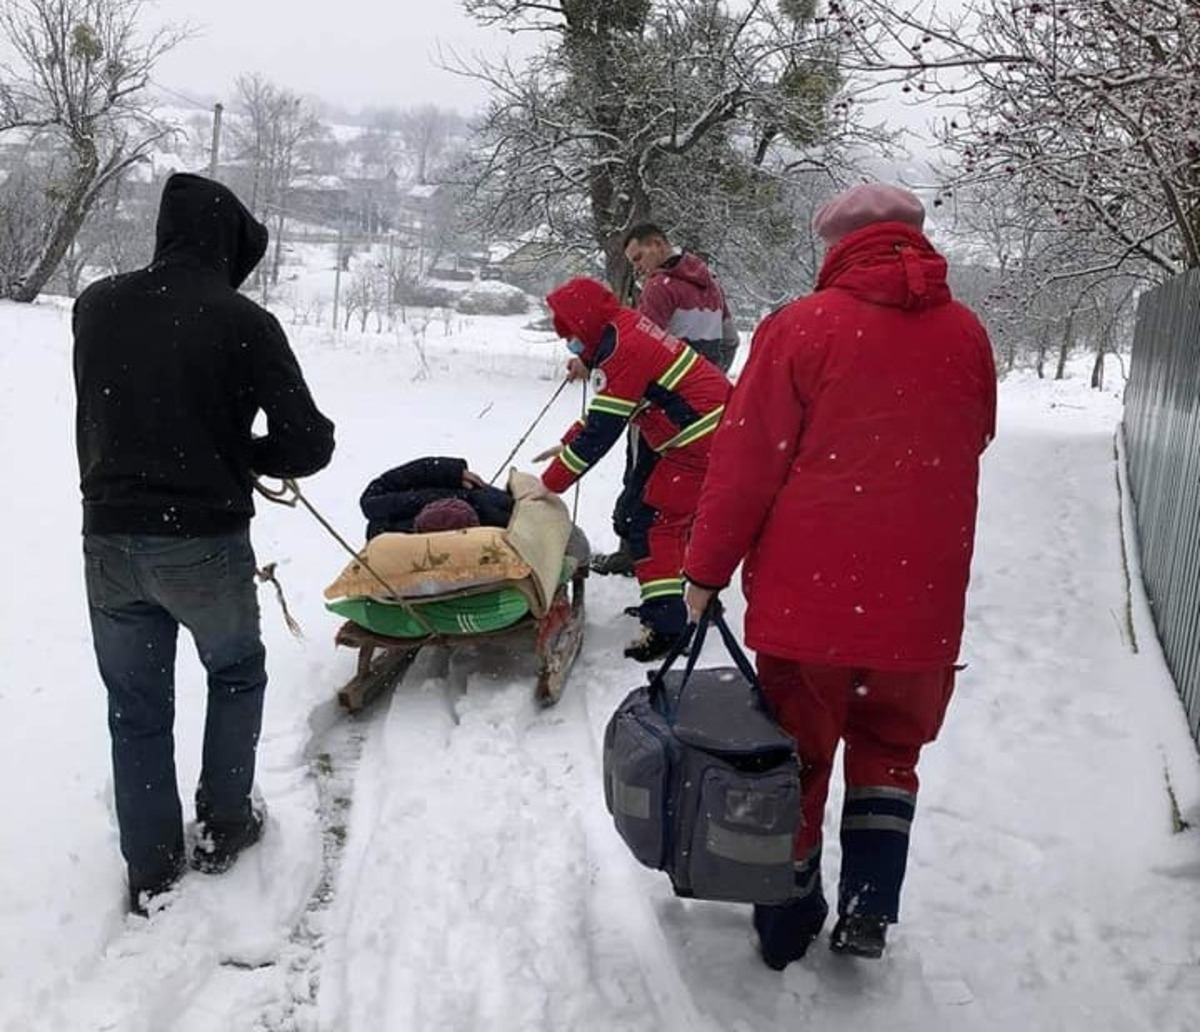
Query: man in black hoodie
172	365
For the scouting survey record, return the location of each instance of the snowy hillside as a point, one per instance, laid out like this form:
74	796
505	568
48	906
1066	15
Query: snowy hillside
445	862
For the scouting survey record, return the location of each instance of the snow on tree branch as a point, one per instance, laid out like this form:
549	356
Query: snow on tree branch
1094	105
689	112
77	81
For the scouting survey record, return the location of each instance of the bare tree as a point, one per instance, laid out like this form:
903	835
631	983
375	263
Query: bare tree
640	109
77	83
379	145
251	133
125	225
428	133
26	210
1094	105
117	236
1013	256
273	138
359	299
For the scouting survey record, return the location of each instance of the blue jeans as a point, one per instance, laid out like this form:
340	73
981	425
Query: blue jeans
140	589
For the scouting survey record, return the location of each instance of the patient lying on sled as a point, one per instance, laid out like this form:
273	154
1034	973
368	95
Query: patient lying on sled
432	494
474	558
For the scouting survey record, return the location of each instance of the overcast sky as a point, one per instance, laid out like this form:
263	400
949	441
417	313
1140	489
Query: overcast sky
359	53
350	52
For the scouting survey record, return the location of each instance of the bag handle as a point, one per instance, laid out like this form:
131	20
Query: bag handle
714	614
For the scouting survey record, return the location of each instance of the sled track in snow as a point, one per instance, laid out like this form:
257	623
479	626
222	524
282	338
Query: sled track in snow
672	997
333	753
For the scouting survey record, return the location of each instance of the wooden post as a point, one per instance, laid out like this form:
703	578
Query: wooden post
337	277
214	156
391	272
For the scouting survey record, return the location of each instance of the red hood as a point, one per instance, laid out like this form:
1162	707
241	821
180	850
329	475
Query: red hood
887	263
582	307
686	267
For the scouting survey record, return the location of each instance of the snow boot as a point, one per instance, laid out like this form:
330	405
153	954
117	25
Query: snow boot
615	564
651	645
142	892
786	930
859	935
221	842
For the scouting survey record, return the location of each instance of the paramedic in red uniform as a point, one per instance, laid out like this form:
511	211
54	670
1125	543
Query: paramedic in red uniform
680	294
675	398
845	474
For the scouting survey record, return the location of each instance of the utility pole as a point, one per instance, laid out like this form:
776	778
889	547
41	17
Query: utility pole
214	156
337	276
391	274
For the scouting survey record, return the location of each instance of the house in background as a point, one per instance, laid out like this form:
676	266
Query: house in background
373	202
535	263
323	199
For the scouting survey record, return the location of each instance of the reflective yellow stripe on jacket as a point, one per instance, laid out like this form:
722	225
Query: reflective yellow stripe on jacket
613	406
678	369
703	426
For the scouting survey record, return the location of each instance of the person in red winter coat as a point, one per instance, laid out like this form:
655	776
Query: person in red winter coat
845	473
675	398
680	295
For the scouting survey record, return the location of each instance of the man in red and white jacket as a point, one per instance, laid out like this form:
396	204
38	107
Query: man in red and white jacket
680	294
845	474
675	398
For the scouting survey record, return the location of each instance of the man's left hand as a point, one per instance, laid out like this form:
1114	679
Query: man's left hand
697	600
577	370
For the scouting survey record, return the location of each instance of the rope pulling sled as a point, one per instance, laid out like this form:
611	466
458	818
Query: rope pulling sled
383	660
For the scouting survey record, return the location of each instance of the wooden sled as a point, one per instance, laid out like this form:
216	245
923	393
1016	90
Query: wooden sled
558	636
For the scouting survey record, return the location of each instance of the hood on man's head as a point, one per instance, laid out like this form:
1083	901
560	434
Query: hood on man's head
864	204
202	223
689	267
582	307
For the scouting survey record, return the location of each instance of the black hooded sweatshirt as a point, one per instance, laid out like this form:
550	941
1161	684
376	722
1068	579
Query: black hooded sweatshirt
172	365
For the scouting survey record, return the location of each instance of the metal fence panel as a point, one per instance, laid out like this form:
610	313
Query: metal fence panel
1162	440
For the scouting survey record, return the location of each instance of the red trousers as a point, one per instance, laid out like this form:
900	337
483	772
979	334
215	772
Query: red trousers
659	527
883	716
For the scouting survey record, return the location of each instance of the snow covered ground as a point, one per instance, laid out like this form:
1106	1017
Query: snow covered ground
445	862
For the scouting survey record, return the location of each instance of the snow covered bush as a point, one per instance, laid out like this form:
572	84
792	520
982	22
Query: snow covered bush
493	299
422	295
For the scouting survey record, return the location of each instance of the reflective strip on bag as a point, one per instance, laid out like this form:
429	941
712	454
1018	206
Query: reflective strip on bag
876	822
748	849
630	800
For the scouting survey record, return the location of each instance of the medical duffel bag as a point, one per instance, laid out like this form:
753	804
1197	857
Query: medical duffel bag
700	780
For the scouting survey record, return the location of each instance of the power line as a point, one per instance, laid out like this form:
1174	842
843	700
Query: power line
205	105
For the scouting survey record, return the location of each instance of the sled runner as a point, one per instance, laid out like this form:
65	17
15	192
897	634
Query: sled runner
383	660
523	582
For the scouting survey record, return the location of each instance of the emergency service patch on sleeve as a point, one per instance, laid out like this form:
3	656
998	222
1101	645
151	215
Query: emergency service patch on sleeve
599	381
